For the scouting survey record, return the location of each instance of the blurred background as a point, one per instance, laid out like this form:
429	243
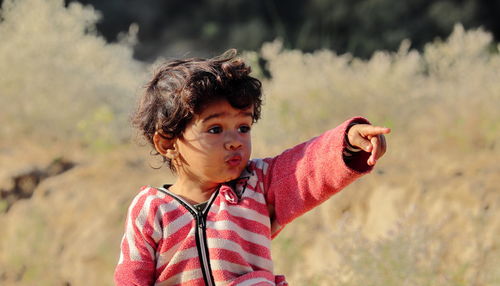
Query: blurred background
71	72
202	28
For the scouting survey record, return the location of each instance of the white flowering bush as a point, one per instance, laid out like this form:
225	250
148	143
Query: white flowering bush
59	77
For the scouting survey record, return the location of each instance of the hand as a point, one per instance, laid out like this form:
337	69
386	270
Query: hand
370	139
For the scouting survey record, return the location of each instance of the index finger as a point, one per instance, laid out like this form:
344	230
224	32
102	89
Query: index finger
370	130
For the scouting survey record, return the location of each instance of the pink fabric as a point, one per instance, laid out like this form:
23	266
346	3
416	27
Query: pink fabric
308	174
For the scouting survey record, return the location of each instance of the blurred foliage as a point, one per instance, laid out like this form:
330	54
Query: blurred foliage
60	80
405	90
174	27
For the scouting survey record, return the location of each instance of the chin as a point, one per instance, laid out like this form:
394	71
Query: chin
231	177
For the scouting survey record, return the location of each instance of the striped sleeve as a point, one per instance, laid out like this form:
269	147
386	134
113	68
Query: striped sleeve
136	265
306	175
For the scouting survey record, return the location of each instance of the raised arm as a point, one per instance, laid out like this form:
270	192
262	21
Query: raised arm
306	175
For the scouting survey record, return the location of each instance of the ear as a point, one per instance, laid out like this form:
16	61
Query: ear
164	145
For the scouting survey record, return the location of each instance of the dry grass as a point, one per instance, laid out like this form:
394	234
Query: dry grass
428	215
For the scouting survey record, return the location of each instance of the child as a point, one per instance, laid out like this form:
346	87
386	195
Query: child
214	225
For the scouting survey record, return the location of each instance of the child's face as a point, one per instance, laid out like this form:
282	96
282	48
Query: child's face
215	146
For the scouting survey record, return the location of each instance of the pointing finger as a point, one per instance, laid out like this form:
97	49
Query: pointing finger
369	130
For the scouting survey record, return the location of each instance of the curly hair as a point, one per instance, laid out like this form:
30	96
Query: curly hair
182	88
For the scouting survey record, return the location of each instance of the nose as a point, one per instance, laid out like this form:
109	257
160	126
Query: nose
232	142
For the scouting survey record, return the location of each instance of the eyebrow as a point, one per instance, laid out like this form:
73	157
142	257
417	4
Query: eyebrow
220	114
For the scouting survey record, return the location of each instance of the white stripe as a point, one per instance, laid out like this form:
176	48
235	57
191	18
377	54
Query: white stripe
252	181
165	257
156	224
259	261
144	214
229	266
177	224
256	196
184	255
243	233
261	185
133	251
261	164
242	212
120	261
182	277
162	209
254	281
264	167
142	220
130	233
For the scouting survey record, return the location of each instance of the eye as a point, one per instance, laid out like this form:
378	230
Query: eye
215	130
244	129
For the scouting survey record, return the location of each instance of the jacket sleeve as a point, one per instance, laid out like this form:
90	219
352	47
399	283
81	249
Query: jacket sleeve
136	265
306	175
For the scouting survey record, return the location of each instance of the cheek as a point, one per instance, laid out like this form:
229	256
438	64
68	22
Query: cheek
248	145
210	143
200	144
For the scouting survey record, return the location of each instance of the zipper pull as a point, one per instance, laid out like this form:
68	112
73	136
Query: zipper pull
201	222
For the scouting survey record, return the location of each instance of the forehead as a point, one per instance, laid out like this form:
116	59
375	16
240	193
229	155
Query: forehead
222	108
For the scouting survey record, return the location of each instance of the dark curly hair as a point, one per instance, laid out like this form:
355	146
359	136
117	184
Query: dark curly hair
181	88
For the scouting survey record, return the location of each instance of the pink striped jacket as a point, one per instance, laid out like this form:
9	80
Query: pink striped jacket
169	242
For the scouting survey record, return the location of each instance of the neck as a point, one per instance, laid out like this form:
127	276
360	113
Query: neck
193	192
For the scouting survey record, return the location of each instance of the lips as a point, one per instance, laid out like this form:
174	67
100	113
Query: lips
234	160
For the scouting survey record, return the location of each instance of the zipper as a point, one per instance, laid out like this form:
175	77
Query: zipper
200	232
203	249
